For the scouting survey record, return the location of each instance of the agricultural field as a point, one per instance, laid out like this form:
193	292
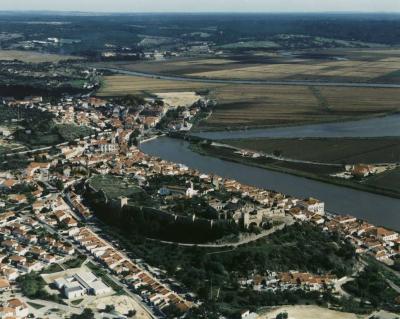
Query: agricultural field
177	66
179	98
250	45
329	150
33	57
119	85
346	65
357	71
388	180
263	106
250	106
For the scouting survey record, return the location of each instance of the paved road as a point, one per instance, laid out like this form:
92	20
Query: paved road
393	285
339	286
342	281
261	82
243	241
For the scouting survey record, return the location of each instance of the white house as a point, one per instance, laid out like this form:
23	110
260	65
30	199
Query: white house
313	205
385	234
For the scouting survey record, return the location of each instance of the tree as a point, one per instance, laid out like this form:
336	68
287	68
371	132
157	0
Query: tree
59	185
277	153
172	311
109	308
86	314
282	315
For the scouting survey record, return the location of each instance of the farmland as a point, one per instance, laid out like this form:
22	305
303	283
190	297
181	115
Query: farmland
252	106
118	85
176	66
334	65
329	150
386	180
32	57
357	71
262	106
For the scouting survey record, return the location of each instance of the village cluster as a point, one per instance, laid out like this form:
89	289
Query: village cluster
379	242
52	75
292	280
45	220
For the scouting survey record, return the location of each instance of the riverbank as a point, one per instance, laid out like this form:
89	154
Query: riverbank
376	209
314	172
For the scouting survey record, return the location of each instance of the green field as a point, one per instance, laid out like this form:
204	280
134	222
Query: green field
388	180
114	186
70	132
33	57
46	133
327	150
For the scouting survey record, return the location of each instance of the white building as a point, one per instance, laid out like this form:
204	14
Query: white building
80	284
385	234
73	290
313	205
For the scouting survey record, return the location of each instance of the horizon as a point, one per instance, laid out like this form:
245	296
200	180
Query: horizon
43	12
205	6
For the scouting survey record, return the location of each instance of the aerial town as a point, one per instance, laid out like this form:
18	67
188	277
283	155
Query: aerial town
47	222
218	161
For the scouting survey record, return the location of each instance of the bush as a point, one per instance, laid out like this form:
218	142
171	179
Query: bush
282	315
86	314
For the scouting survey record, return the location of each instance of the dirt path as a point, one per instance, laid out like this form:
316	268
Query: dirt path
310	312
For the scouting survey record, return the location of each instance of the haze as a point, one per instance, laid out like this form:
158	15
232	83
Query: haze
206	5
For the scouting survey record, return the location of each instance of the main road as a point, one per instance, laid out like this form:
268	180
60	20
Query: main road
260	82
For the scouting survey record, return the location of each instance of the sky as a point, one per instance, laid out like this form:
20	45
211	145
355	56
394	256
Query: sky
204	5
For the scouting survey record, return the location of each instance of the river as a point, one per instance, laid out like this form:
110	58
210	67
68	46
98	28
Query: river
377	209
